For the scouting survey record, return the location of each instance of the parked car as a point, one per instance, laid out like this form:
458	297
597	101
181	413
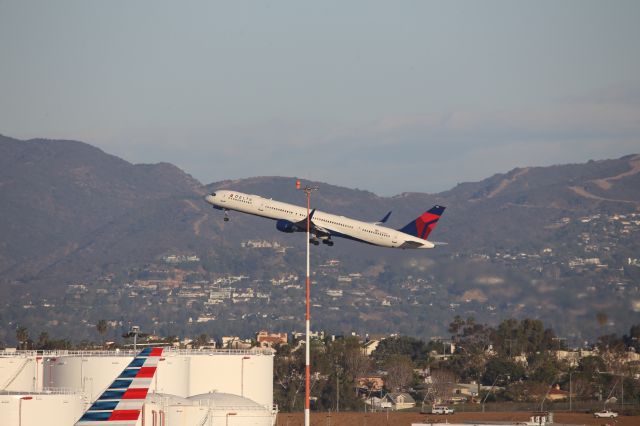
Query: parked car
605	413
441	409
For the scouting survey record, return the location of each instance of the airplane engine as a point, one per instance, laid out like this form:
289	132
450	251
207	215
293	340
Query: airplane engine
286	226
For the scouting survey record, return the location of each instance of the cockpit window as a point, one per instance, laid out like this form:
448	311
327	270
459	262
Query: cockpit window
213	194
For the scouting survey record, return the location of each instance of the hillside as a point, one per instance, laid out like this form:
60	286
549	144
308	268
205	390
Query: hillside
517	246
63	201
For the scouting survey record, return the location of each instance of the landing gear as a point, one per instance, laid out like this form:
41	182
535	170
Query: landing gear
327	242
314	241
226	216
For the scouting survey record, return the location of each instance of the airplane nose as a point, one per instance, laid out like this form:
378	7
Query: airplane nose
209	199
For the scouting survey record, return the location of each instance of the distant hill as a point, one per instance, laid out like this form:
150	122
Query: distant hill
68	209
72	213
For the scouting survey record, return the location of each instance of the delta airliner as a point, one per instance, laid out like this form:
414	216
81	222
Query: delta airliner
292	218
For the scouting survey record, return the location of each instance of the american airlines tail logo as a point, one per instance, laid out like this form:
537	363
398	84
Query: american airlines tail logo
122	401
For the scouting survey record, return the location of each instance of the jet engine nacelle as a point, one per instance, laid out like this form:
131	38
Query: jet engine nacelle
286	226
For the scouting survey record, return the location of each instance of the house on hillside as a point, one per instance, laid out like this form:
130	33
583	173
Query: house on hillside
268	340
399	400
370	346
557	394
463	392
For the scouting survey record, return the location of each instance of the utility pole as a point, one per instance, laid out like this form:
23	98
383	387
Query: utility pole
307	386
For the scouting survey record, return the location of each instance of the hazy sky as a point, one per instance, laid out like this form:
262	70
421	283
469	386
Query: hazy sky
389	96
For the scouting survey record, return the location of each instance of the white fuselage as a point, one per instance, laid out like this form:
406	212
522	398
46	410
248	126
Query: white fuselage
339	226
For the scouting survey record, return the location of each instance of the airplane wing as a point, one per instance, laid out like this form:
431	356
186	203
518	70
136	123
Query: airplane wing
315	229
120	404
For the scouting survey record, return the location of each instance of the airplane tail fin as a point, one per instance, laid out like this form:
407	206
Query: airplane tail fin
122	401
422	226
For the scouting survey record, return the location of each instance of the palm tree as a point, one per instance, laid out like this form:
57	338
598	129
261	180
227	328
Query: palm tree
22	334
43	340
102	326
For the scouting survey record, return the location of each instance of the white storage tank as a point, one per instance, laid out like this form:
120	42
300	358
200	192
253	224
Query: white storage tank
180	372
87	372
172	375
20	371
247	374
208	409
37	409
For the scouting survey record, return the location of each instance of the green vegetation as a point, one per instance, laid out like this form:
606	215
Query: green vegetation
517	361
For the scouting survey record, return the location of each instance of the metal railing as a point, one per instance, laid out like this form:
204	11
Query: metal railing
168	351
46	391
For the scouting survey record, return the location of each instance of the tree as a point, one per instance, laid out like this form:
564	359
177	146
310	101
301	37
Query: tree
43	340
441	385
501	371
289	377
102	326
415	349
456	326
22	334
399	372
201	340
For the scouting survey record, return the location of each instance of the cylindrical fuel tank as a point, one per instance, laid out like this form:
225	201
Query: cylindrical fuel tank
244	374
180	372
90	373
208	409
172	375
36	409
21	372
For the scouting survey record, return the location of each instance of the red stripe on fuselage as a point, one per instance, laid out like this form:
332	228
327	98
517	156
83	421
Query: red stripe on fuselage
156	352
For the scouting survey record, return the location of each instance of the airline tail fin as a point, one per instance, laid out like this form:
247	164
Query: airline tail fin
122	401
422	226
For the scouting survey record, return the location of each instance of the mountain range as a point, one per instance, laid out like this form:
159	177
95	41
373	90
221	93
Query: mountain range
73	213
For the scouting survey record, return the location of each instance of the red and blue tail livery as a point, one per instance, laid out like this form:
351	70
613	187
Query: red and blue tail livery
120	404
425	224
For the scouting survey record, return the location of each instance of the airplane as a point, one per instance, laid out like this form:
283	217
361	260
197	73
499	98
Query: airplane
291	218
120	404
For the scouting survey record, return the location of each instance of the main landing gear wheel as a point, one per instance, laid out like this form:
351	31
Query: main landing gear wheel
314	241
328	242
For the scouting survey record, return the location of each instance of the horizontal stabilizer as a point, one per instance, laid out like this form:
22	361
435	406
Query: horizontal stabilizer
384	219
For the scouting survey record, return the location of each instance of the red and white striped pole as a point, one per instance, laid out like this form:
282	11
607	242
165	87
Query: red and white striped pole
307	373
